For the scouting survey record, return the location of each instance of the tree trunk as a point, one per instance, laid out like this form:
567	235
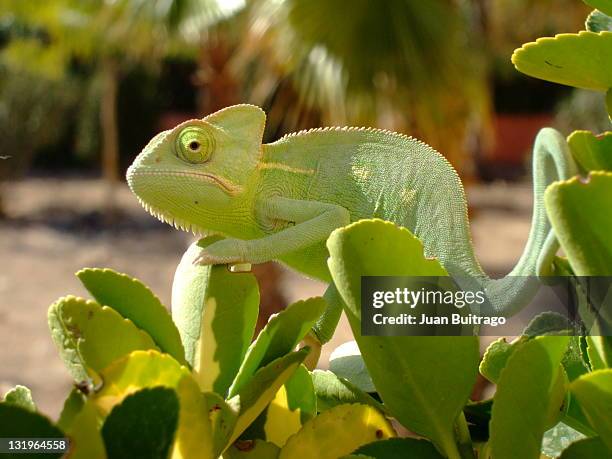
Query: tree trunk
109	130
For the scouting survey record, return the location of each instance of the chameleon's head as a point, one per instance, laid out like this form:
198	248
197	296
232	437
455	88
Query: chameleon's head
195	174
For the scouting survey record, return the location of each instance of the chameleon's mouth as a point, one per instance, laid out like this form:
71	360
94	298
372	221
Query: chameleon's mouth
176	222
227	186
163	215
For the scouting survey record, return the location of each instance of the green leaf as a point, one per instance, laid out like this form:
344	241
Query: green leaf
332	391
528	398
294	403
72	406
142	425
572	203
496	356
593	153
20	422
135	301
222	420
433	390
582	60
145	369
82	330
281	334
594	392
400	448
598	22
573	361
346	362
609	103
84	432
252	449
260	390
337	432
588	448
602	5
20	396
216	312
599	349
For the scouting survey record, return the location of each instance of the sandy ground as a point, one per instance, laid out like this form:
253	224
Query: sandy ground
54	229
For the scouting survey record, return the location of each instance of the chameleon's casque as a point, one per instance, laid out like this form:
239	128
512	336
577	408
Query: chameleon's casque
280	201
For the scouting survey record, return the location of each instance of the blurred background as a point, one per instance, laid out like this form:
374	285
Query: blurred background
84	84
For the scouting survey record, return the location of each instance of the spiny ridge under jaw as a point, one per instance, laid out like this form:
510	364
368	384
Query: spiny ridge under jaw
175	222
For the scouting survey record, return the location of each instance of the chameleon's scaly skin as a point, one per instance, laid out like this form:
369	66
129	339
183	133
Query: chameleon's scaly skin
282	200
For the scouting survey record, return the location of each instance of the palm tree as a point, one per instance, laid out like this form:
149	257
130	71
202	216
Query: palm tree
112	37
406	65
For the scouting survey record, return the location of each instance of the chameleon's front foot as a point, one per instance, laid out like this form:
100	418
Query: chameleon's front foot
224	252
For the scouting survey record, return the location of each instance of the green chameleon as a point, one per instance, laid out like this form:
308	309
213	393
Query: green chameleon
280	201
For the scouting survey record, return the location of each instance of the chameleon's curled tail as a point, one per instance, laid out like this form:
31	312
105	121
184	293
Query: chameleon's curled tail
551	161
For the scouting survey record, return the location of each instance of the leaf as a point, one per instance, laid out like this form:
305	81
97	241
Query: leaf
19	422
332	391
495	358
572	203
135	301
222	420
593	153
72	406
400	448
142	425
82	330
594	392
20	396
280	336
433	389
252	449
261	389
216	312
602	5
84	432
337	432
294	403
586	448
145	369
528	397
346	362
582	60
599	349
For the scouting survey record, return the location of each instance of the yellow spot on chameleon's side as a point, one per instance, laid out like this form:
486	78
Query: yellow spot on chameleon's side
281	422
407	195
361	172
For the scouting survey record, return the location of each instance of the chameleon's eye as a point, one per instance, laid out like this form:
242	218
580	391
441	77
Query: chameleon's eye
195	145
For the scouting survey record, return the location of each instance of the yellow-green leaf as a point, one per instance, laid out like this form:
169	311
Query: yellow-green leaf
529	397
593	153
594	392
338	432
135	301
582	60
90	336
579	211
216	312
142	369
433	390
261	389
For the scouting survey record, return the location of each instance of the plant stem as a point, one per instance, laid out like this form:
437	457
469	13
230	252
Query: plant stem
466	450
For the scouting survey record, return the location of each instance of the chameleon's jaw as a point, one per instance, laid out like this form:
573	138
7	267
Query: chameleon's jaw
174	221
138	186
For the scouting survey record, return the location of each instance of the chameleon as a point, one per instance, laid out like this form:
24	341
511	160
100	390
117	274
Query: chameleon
281	200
